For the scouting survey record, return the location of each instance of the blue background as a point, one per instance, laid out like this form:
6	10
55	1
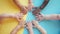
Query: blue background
51	26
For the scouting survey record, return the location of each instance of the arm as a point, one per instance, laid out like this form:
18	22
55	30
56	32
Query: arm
21	7
14	31
44	4
7	16
48	17
52	17
42	30
30	5
18	15
38	10
21	24
29	27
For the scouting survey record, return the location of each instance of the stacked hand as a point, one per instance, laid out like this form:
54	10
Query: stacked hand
39	17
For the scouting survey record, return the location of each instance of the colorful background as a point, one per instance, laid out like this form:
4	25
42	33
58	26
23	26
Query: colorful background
8	24
51	26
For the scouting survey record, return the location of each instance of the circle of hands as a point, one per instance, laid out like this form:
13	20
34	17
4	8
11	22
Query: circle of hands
29	25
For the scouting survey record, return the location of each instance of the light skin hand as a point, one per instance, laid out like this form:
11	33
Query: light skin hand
48	17
52	17
30	27
15	30
16	16
39	17
23	9
21	24
30	5
43	31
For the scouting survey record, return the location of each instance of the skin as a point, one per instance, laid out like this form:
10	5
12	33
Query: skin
21	23
30	27
36	25
39	27
52	17
24	9
19	26
15	30
19	17
21	7
38	10
48	17
16	16
30	5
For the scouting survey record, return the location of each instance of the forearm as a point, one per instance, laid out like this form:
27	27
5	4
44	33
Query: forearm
17	2
30	1
52	17
14	31
42	30
44	4
30	27
30	31
7	15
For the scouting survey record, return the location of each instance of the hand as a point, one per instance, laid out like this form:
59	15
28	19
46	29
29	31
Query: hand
30	6
36	11
29	25
22	23
24	10
20	6
19	16
39	17
35	23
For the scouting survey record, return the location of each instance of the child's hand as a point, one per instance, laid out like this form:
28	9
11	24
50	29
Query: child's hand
19	16
20	6
30	6
29	25
36	11
24	10
35	23
22	23
39	17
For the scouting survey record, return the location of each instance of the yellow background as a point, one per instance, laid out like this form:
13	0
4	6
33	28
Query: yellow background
8	24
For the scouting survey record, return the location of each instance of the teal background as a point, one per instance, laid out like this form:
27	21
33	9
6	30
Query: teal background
51	26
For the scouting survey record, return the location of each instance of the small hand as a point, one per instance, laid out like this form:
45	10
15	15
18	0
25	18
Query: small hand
20	6
30	6
22	23
35	23
36	11
19	16
24	10
39	17
29	25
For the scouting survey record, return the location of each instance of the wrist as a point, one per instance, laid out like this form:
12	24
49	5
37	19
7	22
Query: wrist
45	17
18	26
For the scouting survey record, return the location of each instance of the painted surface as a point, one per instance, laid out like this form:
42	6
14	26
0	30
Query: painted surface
51	26
8	24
